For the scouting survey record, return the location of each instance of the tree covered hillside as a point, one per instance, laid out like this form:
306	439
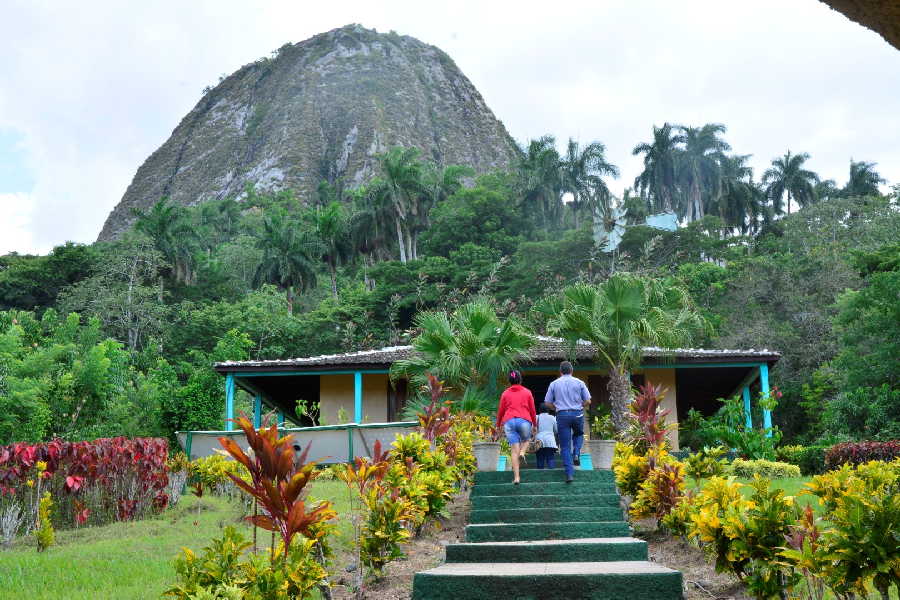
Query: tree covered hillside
118	337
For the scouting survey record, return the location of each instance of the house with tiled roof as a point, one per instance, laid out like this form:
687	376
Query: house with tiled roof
356	384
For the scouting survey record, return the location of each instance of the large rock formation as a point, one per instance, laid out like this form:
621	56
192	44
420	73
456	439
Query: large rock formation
319	109
881	16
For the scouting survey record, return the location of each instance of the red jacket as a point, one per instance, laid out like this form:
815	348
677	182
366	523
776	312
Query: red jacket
516	401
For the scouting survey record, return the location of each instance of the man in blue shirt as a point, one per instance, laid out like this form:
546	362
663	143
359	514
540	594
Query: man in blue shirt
569	395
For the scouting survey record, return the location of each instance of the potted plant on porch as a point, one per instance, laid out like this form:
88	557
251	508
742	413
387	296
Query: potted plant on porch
602	442
486	448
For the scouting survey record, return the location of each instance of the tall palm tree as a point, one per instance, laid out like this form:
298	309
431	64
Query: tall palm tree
864	179
657	180
289	256
370	223
401	172
168	227
697	165
787	175
469	350
539	179
581	174
333	232
737	200
621	317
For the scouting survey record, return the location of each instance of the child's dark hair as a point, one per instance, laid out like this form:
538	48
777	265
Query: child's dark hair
515	377
545	407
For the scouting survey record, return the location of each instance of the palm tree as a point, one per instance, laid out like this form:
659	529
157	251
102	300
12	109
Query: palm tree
401	172
864	180
787	175
827	189
469	350
370	222
581	174
621	317
738	201
698	165
333	232
168	227
658	177
289	256
539	178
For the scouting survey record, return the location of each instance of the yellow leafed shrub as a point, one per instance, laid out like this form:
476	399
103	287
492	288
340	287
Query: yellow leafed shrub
764	468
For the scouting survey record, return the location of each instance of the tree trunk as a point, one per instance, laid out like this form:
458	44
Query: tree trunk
290	300
619	387
400	241
333	280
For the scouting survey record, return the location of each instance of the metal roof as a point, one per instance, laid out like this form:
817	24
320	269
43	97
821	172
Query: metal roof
545	350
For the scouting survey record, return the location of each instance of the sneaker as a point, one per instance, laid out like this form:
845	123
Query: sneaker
570	479
577	461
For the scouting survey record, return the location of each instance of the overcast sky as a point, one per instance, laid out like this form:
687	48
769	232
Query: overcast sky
89	89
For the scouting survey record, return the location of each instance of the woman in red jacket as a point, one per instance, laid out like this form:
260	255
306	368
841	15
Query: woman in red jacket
516	415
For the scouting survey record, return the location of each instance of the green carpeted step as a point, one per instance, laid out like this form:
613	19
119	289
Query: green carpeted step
543	501
538	475
631	580
578	486
547	515
511	532
580	550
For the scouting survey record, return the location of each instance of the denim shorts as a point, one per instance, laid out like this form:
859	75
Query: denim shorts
517	430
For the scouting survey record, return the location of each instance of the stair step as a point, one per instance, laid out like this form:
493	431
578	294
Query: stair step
579	486
632	580
579	550
546	515
511	532
543	501
538	475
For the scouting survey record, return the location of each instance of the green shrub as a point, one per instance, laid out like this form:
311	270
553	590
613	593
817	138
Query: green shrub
810	459
790	454
763	468
44	532
706	463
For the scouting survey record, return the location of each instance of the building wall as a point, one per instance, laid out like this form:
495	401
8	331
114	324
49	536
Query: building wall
336	392
666	378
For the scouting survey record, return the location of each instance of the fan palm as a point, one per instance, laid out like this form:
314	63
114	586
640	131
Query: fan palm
621	317
289	256
787	175
581	174
697	165
469	350
658	177
864	180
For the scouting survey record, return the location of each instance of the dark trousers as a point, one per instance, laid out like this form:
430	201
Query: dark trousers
546	458
570	425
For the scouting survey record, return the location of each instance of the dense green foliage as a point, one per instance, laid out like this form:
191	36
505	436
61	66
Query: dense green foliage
268	276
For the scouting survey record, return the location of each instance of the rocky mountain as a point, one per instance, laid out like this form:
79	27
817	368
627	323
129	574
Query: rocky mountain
319	109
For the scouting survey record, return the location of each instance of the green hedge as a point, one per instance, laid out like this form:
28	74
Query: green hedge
763	468
810	459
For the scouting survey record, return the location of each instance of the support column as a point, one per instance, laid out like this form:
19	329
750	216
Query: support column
257	411
748	417
280	419
764	383
357	398
229	402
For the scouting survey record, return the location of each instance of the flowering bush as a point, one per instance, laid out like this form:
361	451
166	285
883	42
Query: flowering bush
856	453
104	480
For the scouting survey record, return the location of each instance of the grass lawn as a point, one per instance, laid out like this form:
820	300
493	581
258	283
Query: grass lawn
792	486
131	561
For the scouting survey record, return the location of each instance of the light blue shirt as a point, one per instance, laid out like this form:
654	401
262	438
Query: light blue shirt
567	393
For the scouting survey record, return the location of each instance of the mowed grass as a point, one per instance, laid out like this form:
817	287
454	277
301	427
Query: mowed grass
792	486
133	561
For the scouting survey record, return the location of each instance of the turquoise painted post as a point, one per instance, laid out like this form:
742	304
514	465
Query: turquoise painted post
748	418
229	401
764	382
280	419
257	411
357	398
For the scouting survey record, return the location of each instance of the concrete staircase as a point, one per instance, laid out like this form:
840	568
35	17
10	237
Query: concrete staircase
547	540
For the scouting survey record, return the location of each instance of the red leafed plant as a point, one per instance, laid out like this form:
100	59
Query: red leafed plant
434	420
648	415
277	482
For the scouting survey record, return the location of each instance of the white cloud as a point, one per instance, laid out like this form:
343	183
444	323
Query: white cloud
15	224
95	88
